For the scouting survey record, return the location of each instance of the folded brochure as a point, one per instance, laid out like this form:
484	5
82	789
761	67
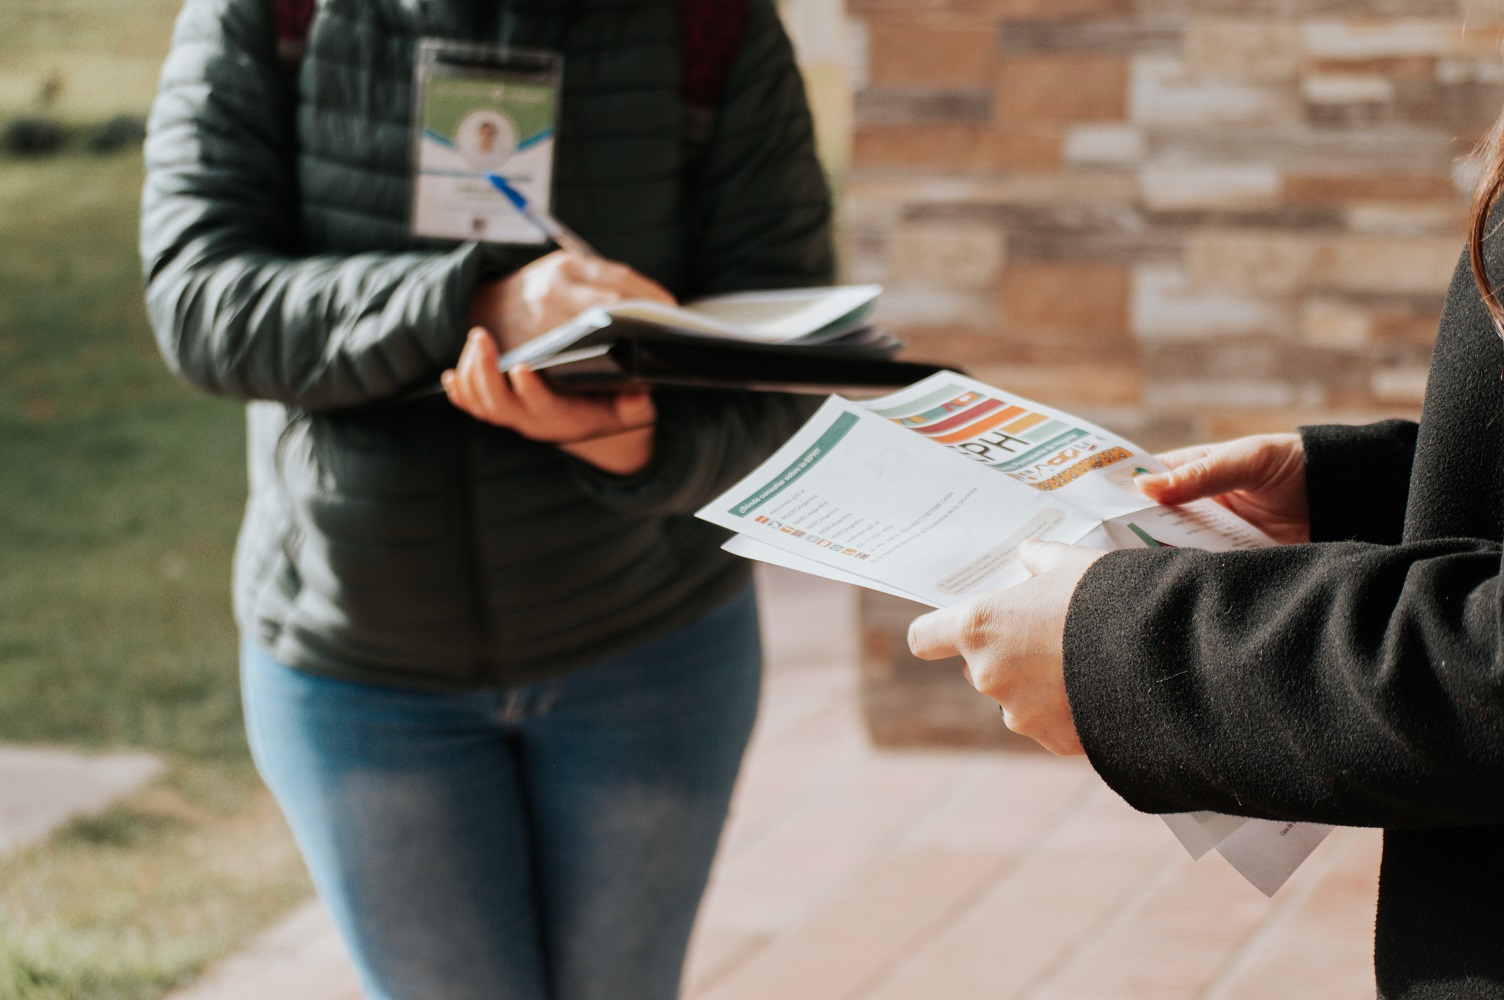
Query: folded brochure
926	493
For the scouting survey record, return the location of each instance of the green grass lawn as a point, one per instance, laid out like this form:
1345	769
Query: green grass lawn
104	55
121	487
120	492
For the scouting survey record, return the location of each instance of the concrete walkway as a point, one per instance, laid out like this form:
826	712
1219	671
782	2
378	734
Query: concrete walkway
850	873
41	788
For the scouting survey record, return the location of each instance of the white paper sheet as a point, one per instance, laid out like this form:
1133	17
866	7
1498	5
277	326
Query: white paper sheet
1266	852
1200	832
747	548
927	493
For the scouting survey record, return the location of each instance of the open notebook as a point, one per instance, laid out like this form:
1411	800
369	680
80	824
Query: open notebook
791	340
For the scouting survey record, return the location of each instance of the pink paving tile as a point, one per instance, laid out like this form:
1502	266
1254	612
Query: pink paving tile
792	693
830	721
832	795
821	845
1320	945
854	940
828	731
779	777
715	951
1171	941
1032	918
1001	802
301	958
779	887
912	782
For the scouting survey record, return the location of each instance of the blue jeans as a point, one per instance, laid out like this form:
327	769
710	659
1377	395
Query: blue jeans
547	842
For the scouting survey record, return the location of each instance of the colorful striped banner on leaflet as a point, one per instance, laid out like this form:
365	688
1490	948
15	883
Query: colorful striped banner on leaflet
1007	436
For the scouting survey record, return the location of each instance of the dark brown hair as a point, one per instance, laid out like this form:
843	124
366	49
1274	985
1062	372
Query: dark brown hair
1490	186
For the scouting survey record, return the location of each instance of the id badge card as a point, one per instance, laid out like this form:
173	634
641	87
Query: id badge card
482	113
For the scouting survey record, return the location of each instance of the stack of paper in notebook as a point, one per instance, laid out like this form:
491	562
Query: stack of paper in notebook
795	340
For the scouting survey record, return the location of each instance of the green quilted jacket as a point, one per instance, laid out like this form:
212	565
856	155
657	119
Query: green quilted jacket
405	542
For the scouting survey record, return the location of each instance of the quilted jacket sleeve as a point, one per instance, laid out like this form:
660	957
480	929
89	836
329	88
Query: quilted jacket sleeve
762	200
235	311
763	207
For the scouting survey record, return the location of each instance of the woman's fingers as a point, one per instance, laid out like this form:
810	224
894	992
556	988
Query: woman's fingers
564	417
1260	478
476	386
1247	464
1013	642
936	636
1040	557
521	400
479	371
1182	456
618	278
635	409
542	403
1196	473
638	286
568	301
537	400
554	289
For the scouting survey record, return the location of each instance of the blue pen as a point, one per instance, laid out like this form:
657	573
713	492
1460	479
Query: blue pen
555	230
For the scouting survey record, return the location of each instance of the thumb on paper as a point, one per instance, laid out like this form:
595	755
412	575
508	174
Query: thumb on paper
1041	557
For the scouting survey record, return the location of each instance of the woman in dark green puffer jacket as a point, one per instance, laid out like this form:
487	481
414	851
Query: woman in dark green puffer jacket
500	686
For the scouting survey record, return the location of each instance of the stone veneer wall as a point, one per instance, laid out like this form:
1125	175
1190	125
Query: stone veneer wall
1186	220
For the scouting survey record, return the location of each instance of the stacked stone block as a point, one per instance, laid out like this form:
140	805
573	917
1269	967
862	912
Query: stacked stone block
1187	220
1191	218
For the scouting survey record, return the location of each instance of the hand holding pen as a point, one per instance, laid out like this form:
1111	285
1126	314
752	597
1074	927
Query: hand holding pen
613	433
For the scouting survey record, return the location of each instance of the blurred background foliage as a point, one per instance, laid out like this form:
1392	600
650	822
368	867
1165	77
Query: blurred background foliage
121	490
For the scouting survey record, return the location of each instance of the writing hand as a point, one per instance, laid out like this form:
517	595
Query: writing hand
554	289
1013	642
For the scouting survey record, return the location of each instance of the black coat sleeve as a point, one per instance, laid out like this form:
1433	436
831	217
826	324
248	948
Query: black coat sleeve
1350	683
1356	680
1372	460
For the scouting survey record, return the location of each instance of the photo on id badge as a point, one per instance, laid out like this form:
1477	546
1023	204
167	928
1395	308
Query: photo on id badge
482	111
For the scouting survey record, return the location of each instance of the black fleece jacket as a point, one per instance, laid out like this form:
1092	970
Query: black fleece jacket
1357	680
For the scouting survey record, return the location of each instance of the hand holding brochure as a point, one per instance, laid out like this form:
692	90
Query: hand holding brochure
927	493
793	340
